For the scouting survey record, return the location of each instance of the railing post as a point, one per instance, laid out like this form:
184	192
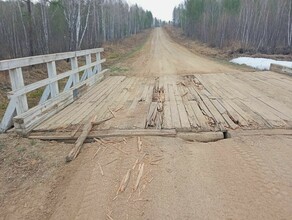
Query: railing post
88	62
98	58
74	65
52	72
17	82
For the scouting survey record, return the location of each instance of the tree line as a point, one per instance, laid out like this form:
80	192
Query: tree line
47	26
257	25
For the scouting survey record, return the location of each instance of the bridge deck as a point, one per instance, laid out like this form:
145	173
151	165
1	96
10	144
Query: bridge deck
206	102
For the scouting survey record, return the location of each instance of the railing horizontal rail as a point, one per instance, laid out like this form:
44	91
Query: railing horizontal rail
30	61
45	82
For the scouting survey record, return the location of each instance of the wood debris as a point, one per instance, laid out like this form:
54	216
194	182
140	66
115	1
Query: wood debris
101	170
102	121
151	180
113	114
157	160
141	159
96	152
124	182
75	131
181	83
143	200
110	162
118	109
141	169
79	143
155	113
120	150
136	163
109	217
185	94
139	144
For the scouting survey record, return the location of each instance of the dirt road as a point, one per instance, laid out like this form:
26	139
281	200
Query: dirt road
162	56
238	178
245	177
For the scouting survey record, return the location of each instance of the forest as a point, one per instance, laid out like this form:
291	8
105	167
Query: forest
251	25
30	28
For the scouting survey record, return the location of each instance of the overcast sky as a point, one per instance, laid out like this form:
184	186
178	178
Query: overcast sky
161	9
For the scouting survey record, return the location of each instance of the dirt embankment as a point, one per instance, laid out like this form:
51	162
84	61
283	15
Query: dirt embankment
225	53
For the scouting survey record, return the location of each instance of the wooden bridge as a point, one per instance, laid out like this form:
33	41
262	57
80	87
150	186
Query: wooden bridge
124	105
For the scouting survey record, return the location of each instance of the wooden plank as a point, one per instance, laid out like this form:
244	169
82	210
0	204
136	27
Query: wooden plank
224	114
281	69
185	124
264	110
76	150
7	120
108	133
30	61
87	107
46	95
30	119
118	103
173	108
260	121
233	113
66	114
202	119
203	114
194	122
167	119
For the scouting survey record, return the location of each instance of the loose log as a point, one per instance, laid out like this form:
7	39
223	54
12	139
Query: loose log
79	143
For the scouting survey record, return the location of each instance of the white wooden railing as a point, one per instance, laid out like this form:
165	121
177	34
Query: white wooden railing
52	99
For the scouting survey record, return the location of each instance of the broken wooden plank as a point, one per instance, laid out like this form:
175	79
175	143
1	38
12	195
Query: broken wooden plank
79	143
124	182
141	169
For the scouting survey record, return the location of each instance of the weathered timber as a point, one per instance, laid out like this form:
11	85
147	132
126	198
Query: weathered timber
106	133
204	137
281	69
18	100
79	143
25	122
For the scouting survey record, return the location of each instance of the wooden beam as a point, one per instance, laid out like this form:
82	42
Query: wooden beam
79	143
74	66
52	73
30	61
281	69
17	82
108	133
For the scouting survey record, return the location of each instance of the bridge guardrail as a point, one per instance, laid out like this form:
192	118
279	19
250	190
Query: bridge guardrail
52	99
